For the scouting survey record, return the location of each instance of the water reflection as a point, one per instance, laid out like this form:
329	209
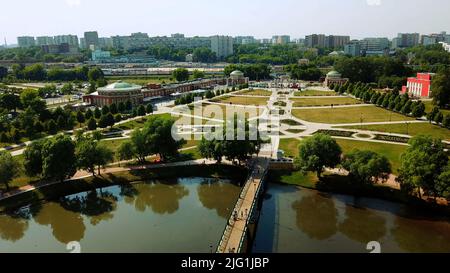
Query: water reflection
66	225
160	198
12	227
316	216
422	236
217	195
363	225
98	205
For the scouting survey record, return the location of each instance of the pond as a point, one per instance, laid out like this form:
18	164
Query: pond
297	220
180	215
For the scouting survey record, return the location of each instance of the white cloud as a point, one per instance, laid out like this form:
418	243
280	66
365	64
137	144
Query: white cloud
73	3
374	2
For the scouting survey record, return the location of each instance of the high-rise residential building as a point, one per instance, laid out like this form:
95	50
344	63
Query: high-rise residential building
334	41
26	41
374	44
353	48
82	43
72	40
427	40
281	40
44	40
406	40
315	40
244	40
91	39
177	35
121	42
105	42
222	46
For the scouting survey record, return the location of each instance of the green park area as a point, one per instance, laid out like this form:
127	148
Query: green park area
255	92
348	115
242	100
429	107
391	151
411	129
315	93
304	102
142	80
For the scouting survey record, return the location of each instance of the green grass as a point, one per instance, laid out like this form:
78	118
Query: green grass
348	115
324	101
138	123
391	151
295	131
315	93
297	178
291	122
429	107
242	100
141	80
255	92
411	129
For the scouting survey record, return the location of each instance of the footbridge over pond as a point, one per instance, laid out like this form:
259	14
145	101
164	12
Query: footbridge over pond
237	233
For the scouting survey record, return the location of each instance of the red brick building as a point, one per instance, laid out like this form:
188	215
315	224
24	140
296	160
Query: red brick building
419	87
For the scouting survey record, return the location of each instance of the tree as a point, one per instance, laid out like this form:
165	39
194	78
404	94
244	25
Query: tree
317	152
51	127
113	109
3	72
103	121
88	115
91	155
431	116
9	168
126	151
181	74
441	88
446	121
105	110
80	117
33	160
92	124
27	96
443	183
117	118
141	110
439	117
367	166
35	72
121	107
149	108
128	105
197	74
9	101
61	122
97	113
59	161
421	165
95	74
67	88
418	109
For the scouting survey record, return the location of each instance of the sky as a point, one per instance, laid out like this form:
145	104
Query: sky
259	18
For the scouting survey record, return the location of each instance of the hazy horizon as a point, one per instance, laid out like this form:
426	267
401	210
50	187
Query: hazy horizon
259	18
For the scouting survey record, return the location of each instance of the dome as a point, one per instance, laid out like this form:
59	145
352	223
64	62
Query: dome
237	73
334	74
120	86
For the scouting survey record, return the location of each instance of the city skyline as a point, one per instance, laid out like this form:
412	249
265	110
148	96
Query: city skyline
77	16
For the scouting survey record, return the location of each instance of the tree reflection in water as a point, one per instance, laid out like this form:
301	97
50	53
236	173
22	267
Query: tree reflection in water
98	205
13	225
66	225
218	195
425	236
161	198
316	216
363	225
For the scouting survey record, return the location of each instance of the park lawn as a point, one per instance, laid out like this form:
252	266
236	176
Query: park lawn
255	92
324	101
429	107
391	151
411	129
138	123
242	100
315	93
348	115
141	80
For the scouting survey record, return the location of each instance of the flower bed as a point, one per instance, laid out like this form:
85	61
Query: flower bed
336	133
